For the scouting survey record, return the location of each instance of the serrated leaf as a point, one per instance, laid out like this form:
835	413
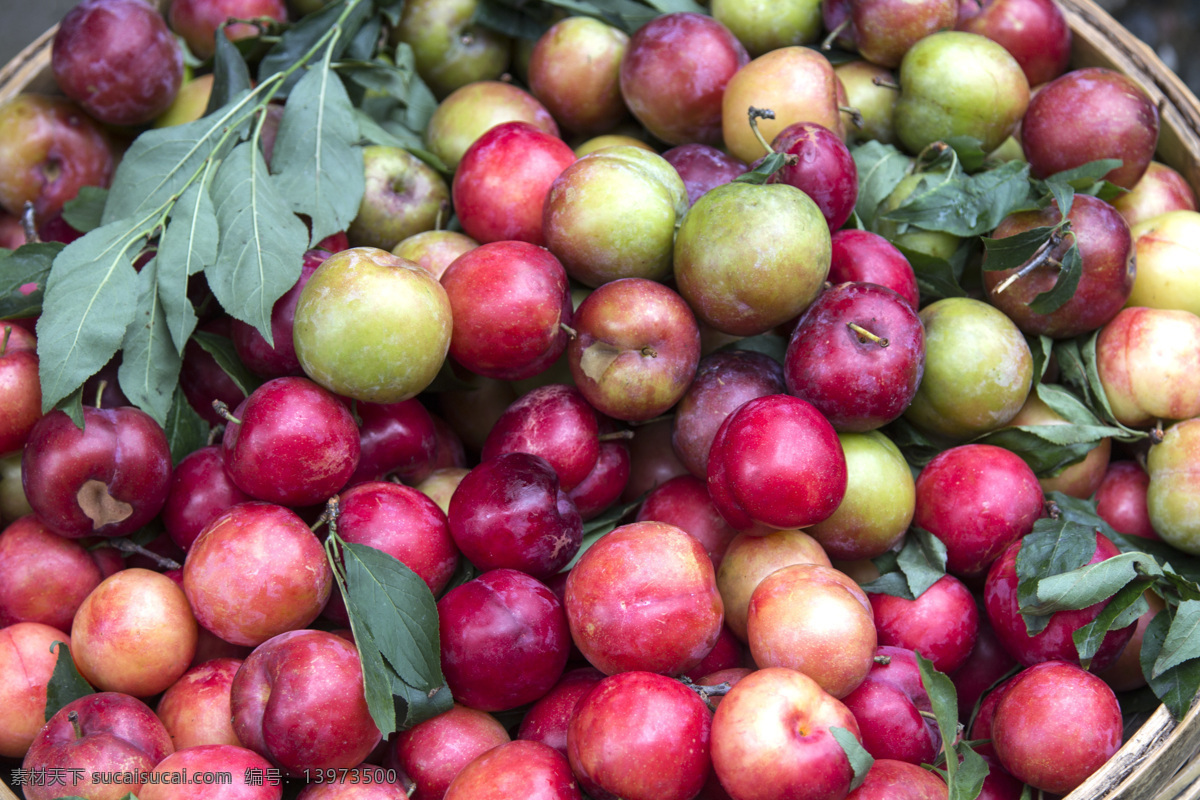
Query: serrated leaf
1122	609
186	430
87	307
187	247
150	363
365	40
969	150
922	560
317	165
414	707
231	76
890	583
1052	548
860	760
84	211
1012	252
161	162
299	43
1181	642
1084	175
1064	195
1046	450
419	104
1066	404
397	609
1041	348
881	167
968	779
966	205
1091	583
395	135
1087	352
29	263
72	406
377	677
222	350
1069	271
758	176
1176	687
262	242
66	684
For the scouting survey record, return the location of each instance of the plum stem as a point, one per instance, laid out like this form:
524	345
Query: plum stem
827	42
865	335
1052	509
571	332
213	433
615	435
1156	433
755	114
649	352
706	693
4	343
29	225
128	547
1040	256
329	516
884	83
223	412
100	393
882	661
856	117
73	718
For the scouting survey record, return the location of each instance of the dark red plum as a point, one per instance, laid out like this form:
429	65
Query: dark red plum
884	30
865	257
201	490
504	640
824	169
652	459
888	706
530	770
604	484
1055	641
202	379
727	654
978	499
858	355
510	512
752	479
554	422
639	734
988	663
724	380
941	624
683	502
673	76
1089	114
433	752
291	442
1121	499
108	479
702	167
547	720
395	438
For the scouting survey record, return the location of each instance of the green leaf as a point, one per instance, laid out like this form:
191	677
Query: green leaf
299	42
1092	583
465	571
150	363
88	306
161	162
969	150
1069	272
1175	687
366	39
518	23
72	406
1052	548
1048	449
84	211
393	135
922	560
317	166
222	350
881	167
936	277
231	76
918	448
968	779
860	760
186	430
414	707
377	677
396	608
1041	348
1122	609
187	247
1181	643
420	103
1085	175
1068	406
966	205
29	263
262	242
66	684
771	164
677	6
943	698
892	583
1012	252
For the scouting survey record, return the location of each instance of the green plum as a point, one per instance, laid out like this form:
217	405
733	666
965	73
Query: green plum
1173	497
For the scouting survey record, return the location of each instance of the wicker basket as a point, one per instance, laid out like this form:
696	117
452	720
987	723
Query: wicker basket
1159	762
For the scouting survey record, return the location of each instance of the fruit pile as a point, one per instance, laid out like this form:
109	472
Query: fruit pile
590	398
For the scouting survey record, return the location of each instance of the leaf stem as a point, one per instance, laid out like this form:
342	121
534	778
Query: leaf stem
754	114
1039	257
29	225
223	412
128	547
